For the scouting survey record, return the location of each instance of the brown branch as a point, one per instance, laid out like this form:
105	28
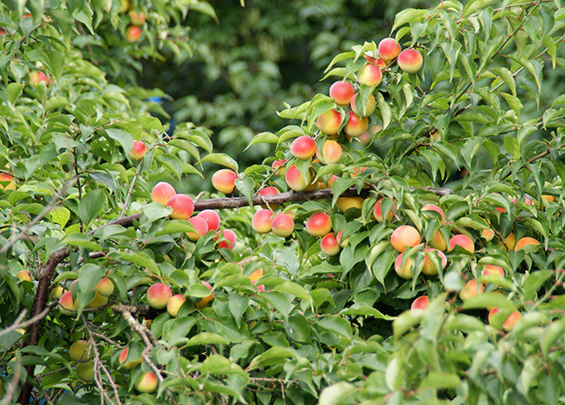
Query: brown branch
19	324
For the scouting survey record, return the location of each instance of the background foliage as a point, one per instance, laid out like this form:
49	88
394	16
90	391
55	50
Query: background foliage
484	117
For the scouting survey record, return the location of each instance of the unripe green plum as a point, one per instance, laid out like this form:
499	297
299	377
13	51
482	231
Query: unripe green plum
147	382
81	350
85	371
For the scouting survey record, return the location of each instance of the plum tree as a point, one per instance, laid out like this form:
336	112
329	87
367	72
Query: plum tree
420	193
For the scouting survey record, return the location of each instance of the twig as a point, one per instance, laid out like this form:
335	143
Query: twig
13	384
99	365
38	218
126	312
19	324
128	196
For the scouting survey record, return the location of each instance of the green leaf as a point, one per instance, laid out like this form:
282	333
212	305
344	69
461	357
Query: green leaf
81	240
275	355
206	338
337	325
221	159
488	300
440	380
263	137
410	15
553	332
178	226
141	259
60	216
336	394
294	289
91	205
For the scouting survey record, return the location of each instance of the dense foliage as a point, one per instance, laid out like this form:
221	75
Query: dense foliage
468	147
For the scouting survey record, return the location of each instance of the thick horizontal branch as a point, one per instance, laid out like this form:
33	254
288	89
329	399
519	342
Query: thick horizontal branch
289	196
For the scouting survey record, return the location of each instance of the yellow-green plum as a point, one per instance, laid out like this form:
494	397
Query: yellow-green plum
470	290
174	304
405	270
429	268
329	122
85	371
370	75
104	287
355	126
81	350
205	300
147	382
370	106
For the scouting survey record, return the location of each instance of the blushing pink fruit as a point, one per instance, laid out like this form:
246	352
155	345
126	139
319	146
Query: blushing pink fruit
355	126
212	218
138	151
420	302
378	214
405	271
229	239
462	240
433	207
162	192
137	18
319	224
130	365
370	75
525	241
224	180
296	180
205	300
509	322
133	33
329	245
174	304
182	206
370	107
266	192
38	77
201	227
24	275
5	177
410	60
491	270
341	92
405	236
471	289
67	304
278	166
429	268
331	152
261	221
329	122
303	147
389	49
282	225
158	295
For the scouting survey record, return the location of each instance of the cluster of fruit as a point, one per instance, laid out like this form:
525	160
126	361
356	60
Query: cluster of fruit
407	236
182	207
134	30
